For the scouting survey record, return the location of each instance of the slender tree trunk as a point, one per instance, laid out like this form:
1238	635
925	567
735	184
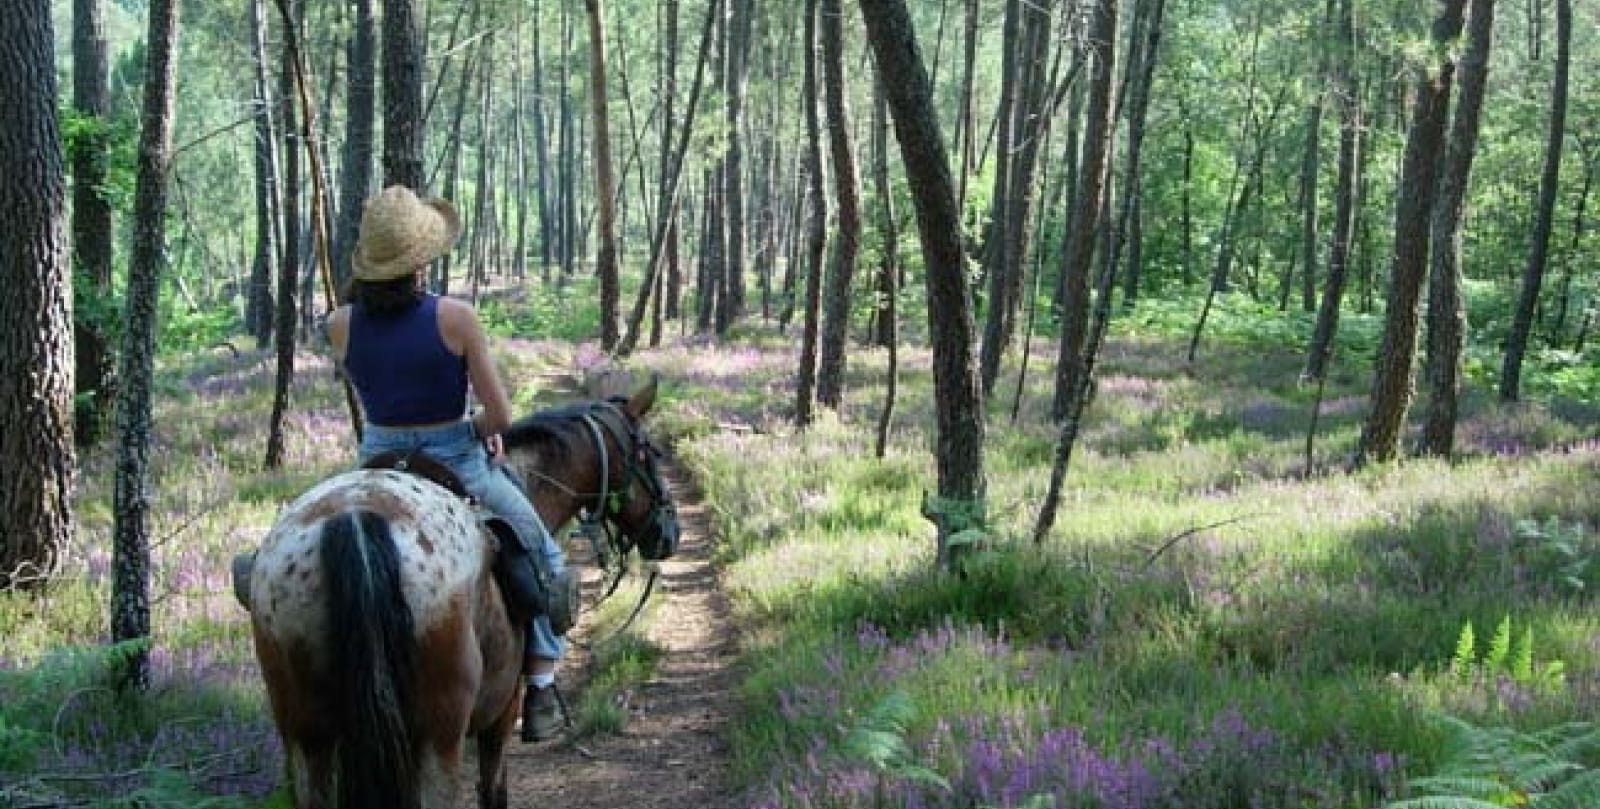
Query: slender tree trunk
888	266
403	129
1446	307
847	190
605	180
1023	123
130	583
1345	209
1392	383
737	59
91	220
1310	170
355	176
817	242
541	155
259	308
958	397
1579	223
1079	250
1539	250
36	373
666	210
969	60
1129	227
289	261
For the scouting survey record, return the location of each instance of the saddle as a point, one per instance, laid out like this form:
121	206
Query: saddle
420	464
529	589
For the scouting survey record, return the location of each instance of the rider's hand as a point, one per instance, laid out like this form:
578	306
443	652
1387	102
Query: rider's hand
495	446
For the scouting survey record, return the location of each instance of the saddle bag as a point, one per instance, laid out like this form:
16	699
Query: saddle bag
528	586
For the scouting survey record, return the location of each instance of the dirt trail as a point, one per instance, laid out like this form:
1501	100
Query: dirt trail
673	751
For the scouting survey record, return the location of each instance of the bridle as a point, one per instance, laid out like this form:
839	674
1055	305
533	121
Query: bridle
659	538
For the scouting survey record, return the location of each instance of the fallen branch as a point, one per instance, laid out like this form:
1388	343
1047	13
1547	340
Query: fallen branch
1185	534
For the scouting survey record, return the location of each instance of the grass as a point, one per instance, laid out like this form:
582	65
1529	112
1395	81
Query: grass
1322	609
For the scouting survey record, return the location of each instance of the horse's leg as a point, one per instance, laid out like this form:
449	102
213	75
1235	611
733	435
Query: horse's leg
492	758
310	772
447	686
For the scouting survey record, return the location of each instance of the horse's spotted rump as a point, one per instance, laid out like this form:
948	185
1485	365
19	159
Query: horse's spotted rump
440	544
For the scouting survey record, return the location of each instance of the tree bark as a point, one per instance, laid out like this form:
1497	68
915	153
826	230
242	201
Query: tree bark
1446	307
1392	383
91	220
36	374
958	397
1539	250
847	191
355	175
1129	224
289	260
817	231
737	71
605	180
1079	250
259	307
403	123
130	584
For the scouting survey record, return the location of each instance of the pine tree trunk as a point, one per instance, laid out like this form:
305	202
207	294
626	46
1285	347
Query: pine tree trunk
355	175
259	308
1539	250
1446	308
1392	383
403	121
1344	212
1078	253
847	190
817	239
737	71
130	583
36	374
888	334
91	220
289	259
958	398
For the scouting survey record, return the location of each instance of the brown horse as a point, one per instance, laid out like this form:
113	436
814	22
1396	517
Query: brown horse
380	627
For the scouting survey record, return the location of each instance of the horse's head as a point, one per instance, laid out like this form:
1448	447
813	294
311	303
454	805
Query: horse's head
598	456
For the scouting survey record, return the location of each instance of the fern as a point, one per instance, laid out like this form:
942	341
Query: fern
1502	768
1499	647
879	739
1522	659
1465	661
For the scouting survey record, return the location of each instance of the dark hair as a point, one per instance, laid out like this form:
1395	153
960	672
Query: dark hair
395	296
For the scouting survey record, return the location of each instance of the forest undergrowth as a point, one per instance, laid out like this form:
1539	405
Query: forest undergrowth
1208	626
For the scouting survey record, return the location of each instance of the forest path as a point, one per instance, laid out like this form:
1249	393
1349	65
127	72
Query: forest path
673	751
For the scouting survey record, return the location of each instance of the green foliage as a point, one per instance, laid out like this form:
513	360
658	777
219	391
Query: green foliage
879	738
1507	657
1494	768
1555	549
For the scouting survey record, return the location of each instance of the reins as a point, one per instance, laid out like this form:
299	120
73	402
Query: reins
593	524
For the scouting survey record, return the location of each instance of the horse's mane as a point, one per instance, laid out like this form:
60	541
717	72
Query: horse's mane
549	429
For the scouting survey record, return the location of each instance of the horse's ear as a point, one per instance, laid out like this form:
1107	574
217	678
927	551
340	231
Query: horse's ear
643	399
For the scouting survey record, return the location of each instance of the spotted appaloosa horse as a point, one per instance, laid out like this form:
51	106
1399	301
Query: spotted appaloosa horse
379	625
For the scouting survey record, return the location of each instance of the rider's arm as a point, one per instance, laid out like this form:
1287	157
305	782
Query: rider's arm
463	330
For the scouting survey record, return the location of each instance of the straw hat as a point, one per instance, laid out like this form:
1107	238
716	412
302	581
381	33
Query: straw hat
401	233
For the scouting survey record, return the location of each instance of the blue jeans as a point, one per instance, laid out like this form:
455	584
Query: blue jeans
458	447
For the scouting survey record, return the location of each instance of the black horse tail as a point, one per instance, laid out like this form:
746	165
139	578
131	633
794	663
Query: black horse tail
373	656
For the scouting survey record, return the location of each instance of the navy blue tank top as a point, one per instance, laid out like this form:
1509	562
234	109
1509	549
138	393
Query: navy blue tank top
402	369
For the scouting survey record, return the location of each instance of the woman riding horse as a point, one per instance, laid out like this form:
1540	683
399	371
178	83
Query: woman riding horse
411	356
380	626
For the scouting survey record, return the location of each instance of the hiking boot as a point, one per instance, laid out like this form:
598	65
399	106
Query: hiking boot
541	715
